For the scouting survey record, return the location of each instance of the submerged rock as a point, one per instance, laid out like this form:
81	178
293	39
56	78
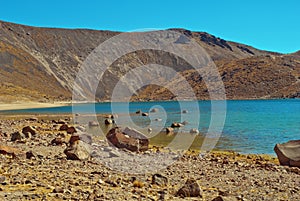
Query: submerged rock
176	125
128	138
288	153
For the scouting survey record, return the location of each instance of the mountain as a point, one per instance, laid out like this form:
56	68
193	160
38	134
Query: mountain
40	64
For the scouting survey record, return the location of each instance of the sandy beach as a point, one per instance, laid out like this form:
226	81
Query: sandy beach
30	105
35	167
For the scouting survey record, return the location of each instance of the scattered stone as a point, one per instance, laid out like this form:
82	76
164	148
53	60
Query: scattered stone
61	121
129	139
17	136
184	111
138	112
29	129
145	114
79	150
32	119
222	198
160	180
288	153
190	189
194	131
80	128
169	130
149	130
93	123
157	119
176	125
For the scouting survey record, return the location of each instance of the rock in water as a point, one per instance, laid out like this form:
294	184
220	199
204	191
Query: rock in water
169	130
129	139
288	153
108	121
176	125
190	189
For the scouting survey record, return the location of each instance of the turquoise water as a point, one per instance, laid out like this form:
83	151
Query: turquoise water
251	126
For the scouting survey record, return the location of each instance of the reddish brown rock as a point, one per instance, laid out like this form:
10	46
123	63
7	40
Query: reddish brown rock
71	130
288	153
29	129
190	189
128	138
63	127
79	150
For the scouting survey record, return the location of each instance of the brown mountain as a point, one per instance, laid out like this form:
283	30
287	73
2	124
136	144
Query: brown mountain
40	64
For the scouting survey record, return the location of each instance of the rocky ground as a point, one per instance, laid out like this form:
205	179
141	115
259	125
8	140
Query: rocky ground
34	167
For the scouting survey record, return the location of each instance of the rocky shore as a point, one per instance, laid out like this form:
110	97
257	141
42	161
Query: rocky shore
35	167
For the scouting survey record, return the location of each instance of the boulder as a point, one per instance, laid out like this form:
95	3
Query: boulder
288	153
79	150
190	189
29	129
128	138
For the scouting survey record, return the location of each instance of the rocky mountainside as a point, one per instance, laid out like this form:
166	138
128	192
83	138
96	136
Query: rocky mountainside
40	64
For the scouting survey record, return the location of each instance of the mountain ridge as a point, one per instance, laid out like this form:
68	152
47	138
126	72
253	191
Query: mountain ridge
36	60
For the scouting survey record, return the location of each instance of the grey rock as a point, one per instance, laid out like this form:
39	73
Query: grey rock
288	153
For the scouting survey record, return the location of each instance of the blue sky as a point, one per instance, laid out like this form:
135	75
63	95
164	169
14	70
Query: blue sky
265	24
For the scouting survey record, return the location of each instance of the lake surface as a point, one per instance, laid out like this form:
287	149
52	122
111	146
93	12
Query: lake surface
251	126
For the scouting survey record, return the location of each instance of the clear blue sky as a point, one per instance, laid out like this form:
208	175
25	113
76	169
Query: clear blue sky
265	24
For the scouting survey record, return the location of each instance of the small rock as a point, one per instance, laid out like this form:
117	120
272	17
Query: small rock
185	123
17	136
71	130
58	190
108	121
138	112
57	141
29	155
176	125
194	131
93	123
222	198
184	111
63	127
190	189
154	110
2	179
79	150
145	114
149	130
160	180
157	119
29	129
7	150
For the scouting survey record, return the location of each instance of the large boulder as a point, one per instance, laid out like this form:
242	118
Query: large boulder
128	138
288	153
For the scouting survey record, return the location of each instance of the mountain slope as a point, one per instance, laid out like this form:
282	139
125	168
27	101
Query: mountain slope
40	64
